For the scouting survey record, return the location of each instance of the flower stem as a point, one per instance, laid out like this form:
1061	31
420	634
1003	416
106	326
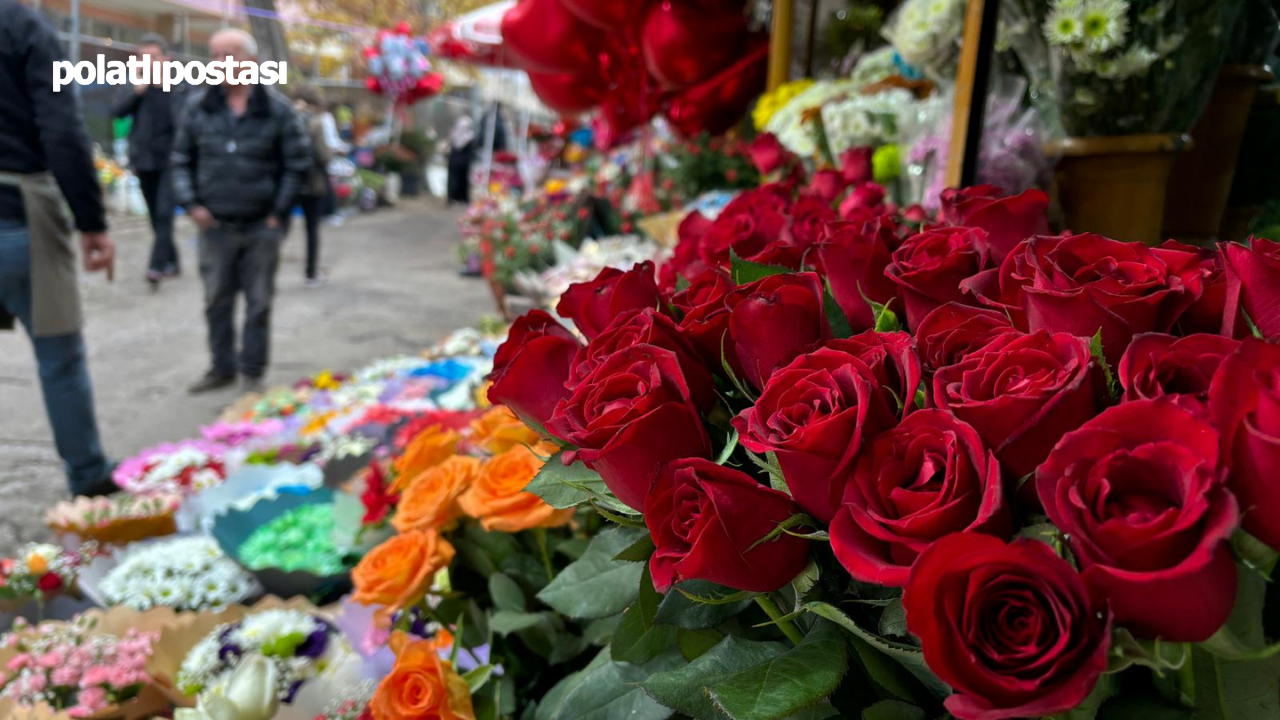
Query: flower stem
767	605
541	535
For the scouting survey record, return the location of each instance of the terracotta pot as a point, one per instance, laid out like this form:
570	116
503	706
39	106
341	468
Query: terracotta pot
1115	186
1201	179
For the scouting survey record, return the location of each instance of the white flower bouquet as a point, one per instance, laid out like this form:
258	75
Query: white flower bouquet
185	573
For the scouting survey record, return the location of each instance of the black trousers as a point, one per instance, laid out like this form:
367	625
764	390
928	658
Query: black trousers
459	179
157	190
239	260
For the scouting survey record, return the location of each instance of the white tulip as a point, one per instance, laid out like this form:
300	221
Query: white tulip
250	695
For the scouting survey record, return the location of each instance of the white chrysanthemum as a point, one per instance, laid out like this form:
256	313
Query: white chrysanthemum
1104	24
1064	26
263	627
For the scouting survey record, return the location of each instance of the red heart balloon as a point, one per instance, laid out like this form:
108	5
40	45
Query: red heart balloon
608	14
548	38
567	94
715	105
686	44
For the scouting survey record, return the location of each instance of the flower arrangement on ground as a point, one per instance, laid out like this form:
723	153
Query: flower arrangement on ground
118	519
186	573
186	467
916	464
39	571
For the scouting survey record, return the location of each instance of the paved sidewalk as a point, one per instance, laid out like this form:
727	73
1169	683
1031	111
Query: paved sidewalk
394	288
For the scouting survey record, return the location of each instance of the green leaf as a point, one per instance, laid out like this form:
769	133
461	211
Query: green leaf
1162	657
745	272
1102	691
477	678
614	691
597	585
893	710
836	319
552	704
886	672
637	640
1095	349
922	398
731	444
797	520
1253	326
506	593
1226	690
909	656
685	689
677	609
505	622
798	679
893	621
1255	554
1242	636
565	487
638	551
769	465
807	578
694	643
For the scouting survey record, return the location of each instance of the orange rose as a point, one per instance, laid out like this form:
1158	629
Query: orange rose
497	496
427	449
431	500
397	573
421	686
499	430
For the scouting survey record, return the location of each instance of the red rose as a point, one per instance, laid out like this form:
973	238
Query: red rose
1257	270
686	261
1010	628
856	165
926	478
1157	365
930	266
747	226
632	414
531	367
853	257
814	414
1140	497
707	287
1022	393
1081	284
826	185
952	331
809	219
1244	401
593	305
1209	314
773	320
51	582
892	359
707	522
767	154
1007	220
866	196
645	327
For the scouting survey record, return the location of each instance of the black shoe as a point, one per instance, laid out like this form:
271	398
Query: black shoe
104	487
153	279
252	384
212	380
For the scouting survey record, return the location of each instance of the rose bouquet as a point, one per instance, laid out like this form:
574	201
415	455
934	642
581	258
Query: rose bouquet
186	467
185	573
915	465
39	571
72	668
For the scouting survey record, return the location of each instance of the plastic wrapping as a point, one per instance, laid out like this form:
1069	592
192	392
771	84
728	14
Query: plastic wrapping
927	34
1012	155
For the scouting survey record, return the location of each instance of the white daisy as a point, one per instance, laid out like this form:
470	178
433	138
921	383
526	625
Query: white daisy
1064	26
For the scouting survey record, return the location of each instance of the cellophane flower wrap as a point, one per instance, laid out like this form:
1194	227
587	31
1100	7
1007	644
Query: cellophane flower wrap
186	467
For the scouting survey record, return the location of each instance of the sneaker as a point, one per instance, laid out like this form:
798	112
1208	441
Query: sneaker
252	384
212	380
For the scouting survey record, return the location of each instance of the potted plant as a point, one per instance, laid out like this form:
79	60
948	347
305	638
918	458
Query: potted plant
1124	81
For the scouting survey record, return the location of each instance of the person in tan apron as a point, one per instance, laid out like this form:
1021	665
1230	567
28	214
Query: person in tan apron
45	155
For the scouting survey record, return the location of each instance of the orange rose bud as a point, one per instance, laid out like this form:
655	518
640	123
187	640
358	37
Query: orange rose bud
421	685
497	497
431	500
499	430
428	449
397	573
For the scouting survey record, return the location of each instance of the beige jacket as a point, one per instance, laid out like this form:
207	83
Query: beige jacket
55	295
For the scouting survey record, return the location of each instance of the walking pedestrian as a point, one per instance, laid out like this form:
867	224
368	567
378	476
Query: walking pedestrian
317	201
46	157
462	149
239	161
155	114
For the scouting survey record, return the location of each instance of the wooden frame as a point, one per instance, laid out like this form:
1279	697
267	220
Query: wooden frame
972	80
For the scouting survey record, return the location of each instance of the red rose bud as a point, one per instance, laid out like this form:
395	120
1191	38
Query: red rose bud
856	165
1257	270
866	196
708	287
49	582
925	479
634	413
1157	365
747	226
531	367
686	261
773	320
647	327
1006	220
1022	393
708	522
593	305
826	185
815	414
953	330
1081	284
1010	628
1209	314
853	257
1140	497
809	219
768	155
929	267
894	365
1244	401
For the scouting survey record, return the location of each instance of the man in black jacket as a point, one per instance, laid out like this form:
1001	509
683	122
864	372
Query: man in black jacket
46	156
239	161
155	116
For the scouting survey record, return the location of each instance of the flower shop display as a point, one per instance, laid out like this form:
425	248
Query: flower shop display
184	573
115	520
299	539
187	467
916	464
39	571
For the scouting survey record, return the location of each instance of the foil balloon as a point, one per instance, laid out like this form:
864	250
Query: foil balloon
608	14
684	44
547	38
399	68
715	105
567	94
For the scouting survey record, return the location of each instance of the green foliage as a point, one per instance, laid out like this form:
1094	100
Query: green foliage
800	678
565	487
597	585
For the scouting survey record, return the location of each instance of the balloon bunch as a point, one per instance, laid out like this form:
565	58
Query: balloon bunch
696	61
398	67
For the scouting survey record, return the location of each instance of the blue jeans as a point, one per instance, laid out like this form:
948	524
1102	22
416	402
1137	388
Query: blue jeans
63	366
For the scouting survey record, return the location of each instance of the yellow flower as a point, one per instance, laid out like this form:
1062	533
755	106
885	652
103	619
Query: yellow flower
772	102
